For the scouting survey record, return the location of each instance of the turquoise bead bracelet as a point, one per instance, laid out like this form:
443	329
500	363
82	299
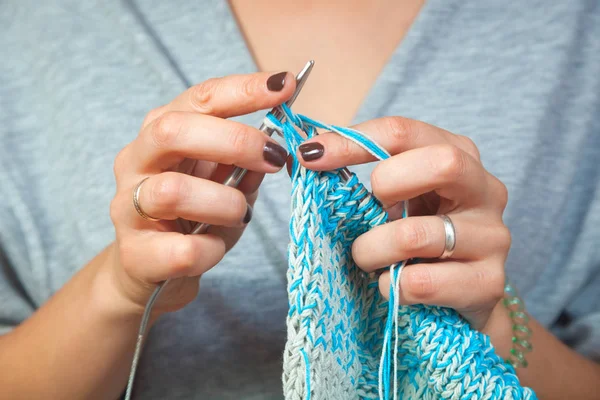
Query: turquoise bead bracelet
521	344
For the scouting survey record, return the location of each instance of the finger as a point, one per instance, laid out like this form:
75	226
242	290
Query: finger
449	284
172	195
426	204
329	150
220	173
176	136
231	235
232	95
156	257
249	184
445	169
425	237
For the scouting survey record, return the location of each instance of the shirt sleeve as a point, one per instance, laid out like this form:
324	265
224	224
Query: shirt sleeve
15	303
579	325
15	306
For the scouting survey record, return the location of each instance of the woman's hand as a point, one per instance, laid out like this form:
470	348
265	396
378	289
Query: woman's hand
441	173
186	149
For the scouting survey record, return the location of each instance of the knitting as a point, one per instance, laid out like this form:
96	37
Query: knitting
345	341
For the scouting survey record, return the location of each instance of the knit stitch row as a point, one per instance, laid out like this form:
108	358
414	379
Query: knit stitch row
345	341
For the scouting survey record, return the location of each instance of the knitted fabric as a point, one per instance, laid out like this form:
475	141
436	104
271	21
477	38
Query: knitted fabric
345	341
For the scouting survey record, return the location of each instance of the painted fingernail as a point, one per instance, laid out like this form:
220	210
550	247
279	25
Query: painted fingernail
288	164
248	215
274	154
276	82
311	151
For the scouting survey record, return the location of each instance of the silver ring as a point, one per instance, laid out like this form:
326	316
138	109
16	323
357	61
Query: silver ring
136	202
450	235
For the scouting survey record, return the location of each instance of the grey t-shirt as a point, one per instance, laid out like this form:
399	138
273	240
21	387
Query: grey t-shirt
77	77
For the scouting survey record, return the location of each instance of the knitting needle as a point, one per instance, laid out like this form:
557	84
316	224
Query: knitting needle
232	180
238	173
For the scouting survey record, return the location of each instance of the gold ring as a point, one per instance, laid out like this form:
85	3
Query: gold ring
136	202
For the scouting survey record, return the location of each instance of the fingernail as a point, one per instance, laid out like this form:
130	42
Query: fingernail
311	151
248	215
274	154
276	82
288	164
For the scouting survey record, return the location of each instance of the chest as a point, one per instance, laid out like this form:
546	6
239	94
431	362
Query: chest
350	45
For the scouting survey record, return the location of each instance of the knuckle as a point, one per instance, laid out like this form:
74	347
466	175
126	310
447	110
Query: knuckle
166	129
419	282
201	96
345	148
152	115
449	163
501	194
181	255
115	210
470	146
497	283
412	235
504	238
398	129
491	281
120	162
167	190
248	88
240	138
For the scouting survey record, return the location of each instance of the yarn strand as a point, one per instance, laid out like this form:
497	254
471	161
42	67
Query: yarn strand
345	341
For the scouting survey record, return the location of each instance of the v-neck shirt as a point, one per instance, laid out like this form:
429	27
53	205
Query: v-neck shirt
521	79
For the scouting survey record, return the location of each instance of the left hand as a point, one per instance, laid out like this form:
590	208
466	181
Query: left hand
440	173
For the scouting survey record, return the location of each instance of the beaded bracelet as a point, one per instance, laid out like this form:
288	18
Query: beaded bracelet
521	331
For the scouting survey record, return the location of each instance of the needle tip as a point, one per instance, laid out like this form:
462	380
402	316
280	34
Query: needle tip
301	80
305	71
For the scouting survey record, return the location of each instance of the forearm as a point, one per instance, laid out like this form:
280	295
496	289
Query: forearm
555	371
76	346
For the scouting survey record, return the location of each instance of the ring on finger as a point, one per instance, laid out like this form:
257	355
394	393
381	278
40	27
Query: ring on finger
450	237
136	202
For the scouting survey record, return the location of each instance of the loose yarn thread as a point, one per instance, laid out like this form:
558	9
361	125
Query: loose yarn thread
345	341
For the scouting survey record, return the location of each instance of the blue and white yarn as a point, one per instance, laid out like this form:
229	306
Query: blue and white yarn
345	341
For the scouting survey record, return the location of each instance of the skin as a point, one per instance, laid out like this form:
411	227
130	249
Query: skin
441	173
192	127
47	356
350	40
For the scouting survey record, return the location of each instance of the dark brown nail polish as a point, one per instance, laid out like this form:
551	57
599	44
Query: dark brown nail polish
274	154
311	151
276	82
248	215
288	164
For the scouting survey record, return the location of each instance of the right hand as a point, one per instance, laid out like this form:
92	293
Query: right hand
187	148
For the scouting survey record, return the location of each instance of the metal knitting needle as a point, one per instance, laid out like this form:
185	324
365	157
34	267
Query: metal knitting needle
233	180
238	173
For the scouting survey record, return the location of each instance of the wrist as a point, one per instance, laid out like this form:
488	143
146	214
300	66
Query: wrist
509	315
114	294
499	329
